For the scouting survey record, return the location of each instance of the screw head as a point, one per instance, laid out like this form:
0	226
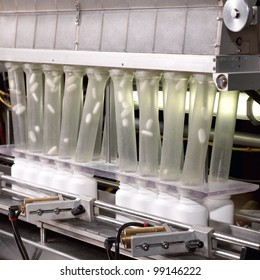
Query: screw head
145	247
222	81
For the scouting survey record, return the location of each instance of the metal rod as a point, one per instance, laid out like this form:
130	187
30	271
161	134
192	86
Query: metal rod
8	127
234	240
225	254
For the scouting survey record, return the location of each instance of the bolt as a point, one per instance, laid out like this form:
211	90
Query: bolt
165	245
145	247
39	212
222	81
57	211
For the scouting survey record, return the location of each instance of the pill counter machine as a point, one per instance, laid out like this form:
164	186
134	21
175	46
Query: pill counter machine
110	120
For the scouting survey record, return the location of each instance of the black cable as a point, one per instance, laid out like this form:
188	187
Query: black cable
119	232
14	213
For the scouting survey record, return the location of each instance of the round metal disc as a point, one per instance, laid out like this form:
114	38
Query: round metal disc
237	15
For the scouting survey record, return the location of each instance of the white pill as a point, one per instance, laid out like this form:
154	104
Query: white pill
149	124
51	109
11	84
165	171
147	133
50	83
37	128
15	107
202	135
125	122
88	118
71	88
34	87
94	93
96	108
32	78
17	92
125	105
32	136
35	97
66	140
120	96
52	150
55	73
20	110
71	80
125	112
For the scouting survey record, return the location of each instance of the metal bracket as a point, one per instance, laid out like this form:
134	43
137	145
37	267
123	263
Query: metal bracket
77	5
60	210
197	239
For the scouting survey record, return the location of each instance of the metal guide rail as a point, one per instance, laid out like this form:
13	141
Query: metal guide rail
160	237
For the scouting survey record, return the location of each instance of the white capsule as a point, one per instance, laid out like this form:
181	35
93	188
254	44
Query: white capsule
149	124
32	136
20	110
94	93
15	107
52	150
50	83
54	89
120	96
96	108
125	113
34	87
147	133
17	92
125	105
71	80
37	128
32	78
202	135
71	88
66	140
11	84
35	97
51	109
125	122
88	118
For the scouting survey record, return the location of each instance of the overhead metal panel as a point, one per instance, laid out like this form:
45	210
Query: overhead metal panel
7	35
25	31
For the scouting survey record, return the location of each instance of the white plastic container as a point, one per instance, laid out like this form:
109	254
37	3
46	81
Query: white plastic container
221	209
145	198
191	212
62	177
125	197
82	184
166	203
46	173
18	171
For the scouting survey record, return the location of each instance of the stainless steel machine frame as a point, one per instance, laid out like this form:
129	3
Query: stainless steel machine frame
203	36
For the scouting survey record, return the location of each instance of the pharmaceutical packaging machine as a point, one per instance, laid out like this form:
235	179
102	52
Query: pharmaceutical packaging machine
131	129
